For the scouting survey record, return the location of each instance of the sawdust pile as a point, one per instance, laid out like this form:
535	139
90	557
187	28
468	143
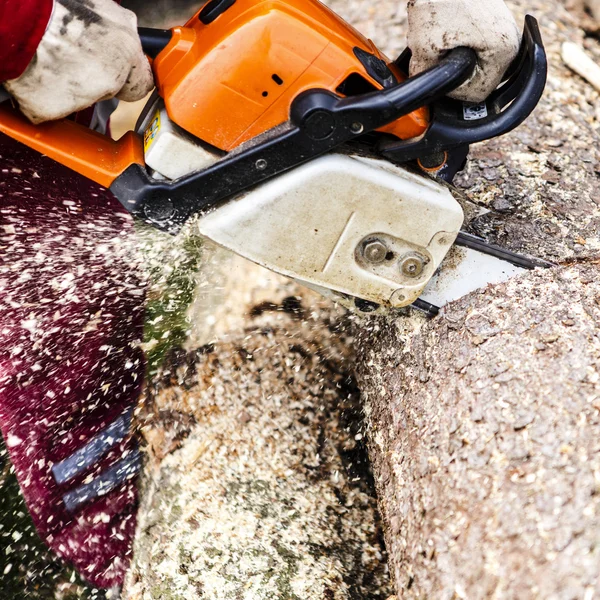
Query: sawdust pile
258	485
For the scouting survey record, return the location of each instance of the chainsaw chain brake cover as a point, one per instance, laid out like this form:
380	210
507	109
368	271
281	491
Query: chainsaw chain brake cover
355	226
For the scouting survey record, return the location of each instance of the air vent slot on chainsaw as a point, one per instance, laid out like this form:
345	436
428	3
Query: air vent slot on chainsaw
355	85
214	9
376	68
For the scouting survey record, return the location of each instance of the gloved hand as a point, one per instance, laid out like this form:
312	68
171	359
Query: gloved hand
487	26
90	52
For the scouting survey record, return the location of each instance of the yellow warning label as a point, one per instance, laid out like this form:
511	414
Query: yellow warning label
151	131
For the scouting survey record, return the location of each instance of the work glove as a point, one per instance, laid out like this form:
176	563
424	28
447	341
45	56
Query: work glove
437	26
91	51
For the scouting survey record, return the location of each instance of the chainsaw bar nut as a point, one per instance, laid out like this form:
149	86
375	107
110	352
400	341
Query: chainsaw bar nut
375	252
412	264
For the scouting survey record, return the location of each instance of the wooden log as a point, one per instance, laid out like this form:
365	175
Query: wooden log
484	423
486	441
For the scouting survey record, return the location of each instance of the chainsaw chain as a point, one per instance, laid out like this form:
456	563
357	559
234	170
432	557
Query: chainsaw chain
467	240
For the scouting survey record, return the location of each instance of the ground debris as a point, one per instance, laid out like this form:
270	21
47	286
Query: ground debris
258	485
575	57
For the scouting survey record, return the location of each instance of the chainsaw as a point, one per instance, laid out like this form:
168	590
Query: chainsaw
298	145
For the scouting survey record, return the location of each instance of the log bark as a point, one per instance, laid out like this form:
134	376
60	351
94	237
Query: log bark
484	423
486	441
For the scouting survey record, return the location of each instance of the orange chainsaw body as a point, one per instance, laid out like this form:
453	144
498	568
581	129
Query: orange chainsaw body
231	80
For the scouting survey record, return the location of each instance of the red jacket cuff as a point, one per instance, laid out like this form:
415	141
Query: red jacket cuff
22	26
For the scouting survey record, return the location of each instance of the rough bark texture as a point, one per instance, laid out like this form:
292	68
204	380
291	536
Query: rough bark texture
484	423
257	484
485	438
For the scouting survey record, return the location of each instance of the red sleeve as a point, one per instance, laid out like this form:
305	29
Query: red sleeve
22	25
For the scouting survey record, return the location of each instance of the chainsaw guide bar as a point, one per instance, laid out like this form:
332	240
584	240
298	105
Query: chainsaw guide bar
481	264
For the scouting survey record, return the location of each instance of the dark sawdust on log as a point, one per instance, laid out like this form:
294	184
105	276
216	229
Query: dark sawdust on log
486	441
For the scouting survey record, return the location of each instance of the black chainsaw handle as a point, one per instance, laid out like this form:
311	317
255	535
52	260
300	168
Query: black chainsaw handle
427	87
322	115
154	41
506	108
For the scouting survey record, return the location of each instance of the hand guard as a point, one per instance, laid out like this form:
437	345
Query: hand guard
486	26
90	52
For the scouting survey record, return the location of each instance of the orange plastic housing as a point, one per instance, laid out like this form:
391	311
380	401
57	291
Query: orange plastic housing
235	78
92	154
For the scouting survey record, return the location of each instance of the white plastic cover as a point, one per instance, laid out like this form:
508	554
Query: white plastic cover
311	224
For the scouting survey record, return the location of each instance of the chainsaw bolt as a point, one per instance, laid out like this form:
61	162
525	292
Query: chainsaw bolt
412	264
375	252
261	164
356	128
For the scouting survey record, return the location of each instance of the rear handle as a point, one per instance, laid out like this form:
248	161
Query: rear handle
154	41
90	153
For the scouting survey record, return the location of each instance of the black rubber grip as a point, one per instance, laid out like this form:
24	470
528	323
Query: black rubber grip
154	41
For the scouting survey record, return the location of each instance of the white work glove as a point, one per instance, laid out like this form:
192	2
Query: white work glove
91	51
487	26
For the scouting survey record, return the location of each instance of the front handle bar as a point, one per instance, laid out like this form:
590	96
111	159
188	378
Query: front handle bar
452	123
